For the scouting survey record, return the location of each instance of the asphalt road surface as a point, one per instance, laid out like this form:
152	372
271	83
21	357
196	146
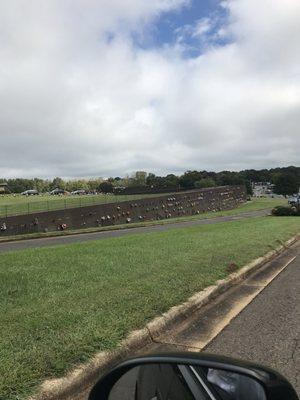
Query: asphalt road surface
268	330
85	237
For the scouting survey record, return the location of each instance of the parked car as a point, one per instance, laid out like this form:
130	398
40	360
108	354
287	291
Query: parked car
294	200
31	192
58	191
79	192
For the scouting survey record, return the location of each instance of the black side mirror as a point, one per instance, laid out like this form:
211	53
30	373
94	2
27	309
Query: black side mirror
191	376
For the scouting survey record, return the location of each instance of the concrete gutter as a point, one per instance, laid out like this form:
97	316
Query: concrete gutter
86	375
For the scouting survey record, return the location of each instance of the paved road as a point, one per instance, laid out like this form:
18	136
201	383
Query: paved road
85	237
268	330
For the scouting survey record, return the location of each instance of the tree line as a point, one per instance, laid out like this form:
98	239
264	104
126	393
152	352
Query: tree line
286	181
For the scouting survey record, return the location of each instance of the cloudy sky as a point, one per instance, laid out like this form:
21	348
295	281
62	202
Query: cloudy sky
107	87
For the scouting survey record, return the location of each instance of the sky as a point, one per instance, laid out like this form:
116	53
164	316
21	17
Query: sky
94	88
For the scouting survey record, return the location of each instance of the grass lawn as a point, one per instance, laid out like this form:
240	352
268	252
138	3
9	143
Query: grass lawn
260	203
18	204
59	305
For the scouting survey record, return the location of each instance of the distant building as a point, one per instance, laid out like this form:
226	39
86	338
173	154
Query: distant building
4	189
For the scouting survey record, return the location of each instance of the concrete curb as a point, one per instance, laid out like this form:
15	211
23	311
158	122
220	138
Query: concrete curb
86	375
179	313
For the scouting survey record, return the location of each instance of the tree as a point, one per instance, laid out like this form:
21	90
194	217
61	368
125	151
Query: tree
77	185
230	178
286	184
58	183
106	187
151	179
188	179
205	183
249	188
171	180
94	183
41	185
19	185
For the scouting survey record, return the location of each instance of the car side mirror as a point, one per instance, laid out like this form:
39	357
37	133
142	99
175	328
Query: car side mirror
191	376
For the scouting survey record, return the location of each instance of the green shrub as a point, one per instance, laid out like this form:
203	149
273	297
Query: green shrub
286	211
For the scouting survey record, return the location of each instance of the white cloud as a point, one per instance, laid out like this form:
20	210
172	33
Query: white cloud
74	103
202	27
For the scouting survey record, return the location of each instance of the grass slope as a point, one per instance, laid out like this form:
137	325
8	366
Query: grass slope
61	304
16	205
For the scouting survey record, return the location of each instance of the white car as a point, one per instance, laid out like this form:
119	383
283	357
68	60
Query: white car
31	192
79	191
294	200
